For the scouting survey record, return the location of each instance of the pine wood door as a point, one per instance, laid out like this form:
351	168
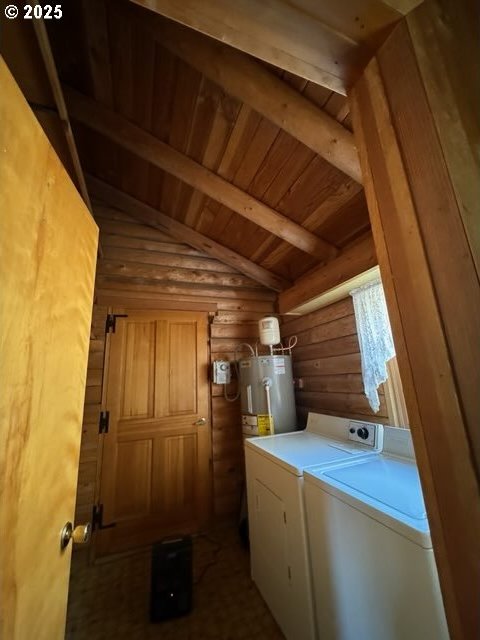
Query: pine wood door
48	243
155	477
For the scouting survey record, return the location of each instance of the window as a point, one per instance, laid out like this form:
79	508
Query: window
379	363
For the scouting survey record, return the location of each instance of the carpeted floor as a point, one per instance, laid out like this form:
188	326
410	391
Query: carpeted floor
110	599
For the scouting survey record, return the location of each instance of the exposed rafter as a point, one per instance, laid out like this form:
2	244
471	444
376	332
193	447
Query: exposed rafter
249	81
51	70
145	146
148	215
326	42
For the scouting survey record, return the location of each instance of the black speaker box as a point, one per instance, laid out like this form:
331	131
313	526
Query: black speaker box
172	579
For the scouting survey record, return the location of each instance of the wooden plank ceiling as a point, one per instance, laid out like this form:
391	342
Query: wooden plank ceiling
116	60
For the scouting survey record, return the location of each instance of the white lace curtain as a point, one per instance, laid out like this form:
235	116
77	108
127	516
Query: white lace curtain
374	336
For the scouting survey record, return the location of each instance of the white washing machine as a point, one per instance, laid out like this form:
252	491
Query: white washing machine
278	544
374	573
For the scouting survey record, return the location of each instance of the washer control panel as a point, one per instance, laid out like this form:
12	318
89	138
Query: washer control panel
367	433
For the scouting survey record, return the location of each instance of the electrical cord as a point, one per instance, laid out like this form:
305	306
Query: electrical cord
235	364
217	548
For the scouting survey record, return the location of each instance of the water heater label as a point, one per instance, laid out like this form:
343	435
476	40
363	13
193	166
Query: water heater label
265	425
279	366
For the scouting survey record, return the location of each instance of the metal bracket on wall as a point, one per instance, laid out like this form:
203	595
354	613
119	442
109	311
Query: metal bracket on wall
111	322
97	518
103	421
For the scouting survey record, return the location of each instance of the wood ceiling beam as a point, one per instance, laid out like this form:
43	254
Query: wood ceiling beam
145	146
51	70
249	81
355	259
154	218
326	42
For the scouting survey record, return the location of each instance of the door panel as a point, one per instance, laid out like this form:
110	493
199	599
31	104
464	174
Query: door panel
48	243
156	462
134	461
139	371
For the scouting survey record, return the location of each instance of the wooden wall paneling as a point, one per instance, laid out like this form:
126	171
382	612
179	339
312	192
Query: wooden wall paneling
168	259
224	119
98	57
116	240
251	154
194	238
348	222
340	402
249	81
296	162
349	363
235	322
408	239
141	143
109	292
162	107
97	47
293	324
184	274
303	411
224	114
133	172
187	86
293	184
243	130
326	363
199	135
328	208
228	224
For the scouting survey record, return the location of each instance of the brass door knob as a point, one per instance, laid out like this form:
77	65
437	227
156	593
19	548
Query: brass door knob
200	422
79	535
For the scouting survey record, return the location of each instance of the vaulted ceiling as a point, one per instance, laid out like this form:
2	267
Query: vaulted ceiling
174	125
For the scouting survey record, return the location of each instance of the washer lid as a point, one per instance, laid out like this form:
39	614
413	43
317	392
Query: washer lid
390	481
383	487
298	450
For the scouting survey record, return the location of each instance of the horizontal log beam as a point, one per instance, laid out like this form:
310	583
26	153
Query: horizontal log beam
145	146
249	81
148	215
353	260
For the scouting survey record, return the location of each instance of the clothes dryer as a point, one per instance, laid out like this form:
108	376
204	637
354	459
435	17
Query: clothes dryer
275	465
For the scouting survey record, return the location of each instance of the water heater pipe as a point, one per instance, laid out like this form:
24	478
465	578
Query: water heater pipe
267	383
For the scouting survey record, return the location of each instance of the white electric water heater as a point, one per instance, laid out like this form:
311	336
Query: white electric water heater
267	395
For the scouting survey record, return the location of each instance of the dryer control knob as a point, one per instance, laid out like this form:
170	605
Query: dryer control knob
362	433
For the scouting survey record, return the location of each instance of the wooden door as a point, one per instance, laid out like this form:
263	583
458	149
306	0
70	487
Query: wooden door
155	477
48	243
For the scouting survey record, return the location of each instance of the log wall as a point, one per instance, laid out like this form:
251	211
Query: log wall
144	268
326	364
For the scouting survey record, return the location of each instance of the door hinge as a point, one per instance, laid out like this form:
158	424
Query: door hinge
289	573
111	322
285	517
97	518
103	421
